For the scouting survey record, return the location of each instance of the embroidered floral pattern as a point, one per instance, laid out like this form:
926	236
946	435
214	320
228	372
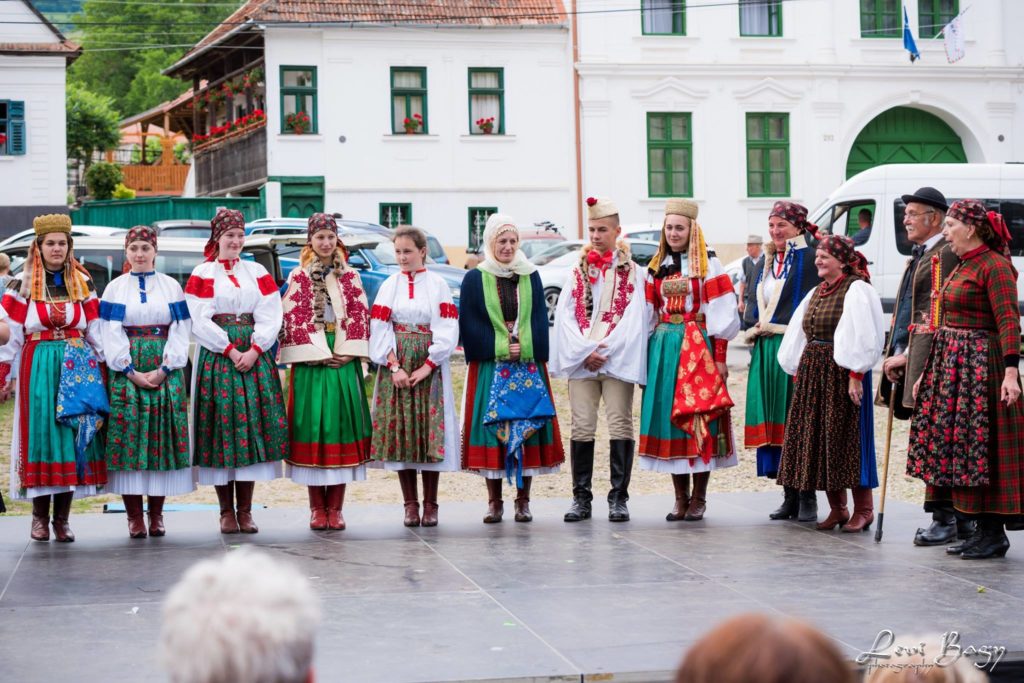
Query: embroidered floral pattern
579	290
357	324
381	313
449	311
293	332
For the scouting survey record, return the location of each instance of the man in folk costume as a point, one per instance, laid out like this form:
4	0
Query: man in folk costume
910	336
600	327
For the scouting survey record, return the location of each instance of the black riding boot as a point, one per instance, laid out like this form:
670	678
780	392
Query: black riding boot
620	453
581	453
941	531
993	543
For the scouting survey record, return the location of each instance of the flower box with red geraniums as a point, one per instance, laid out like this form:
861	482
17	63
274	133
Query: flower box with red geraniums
256	119
486	126
412	125
298	122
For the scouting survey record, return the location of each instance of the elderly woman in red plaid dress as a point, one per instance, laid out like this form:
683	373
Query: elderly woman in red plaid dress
966	440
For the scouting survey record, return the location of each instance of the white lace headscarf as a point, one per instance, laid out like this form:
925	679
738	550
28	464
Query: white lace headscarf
497	225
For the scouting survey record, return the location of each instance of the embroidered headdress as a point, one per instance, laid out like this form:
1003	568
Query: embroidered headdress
73	277
842	249
226	219
599	207
697	251
795	214
990	224
140	233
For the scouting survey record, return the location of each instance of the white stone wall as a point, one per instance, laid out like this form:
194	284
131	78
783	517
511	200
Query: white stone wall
528	173
831	81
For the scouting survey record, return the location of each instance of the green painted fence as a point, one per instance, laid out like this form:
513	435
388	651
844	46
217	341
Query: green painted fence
125	213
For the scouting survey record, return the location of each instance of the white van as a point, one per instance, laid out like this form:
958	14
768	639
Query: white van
1000	186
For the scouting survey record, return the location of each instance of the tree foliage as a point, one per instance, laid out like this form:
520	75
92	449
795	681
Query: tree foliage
119	59
92	124
102	179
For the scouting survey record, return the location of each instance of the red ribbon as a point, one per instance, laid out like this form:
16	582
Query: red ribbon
999	226
602	261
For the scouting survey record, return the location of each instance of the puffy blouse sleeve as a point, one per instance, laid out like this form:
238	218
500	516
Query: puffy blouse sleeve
860	334
113	339
794	340
199	298
444	322
570	346
93	323
268	313
382	334
180	332
722	312
15	310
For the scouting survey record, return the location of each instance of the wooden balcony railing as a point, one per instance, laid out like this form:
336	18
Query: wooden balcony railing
237	161
156	179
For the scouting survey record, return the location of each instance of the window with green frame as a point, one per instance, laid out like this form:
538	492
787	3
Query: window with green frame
486	101
767	155
881	19
663	17
409	99
761	18
298	99
478	216
933	15
669	155
393	215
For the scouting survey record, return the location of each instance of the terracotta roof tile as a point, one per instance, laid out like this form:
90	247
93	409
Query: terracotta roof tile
65	47
446	12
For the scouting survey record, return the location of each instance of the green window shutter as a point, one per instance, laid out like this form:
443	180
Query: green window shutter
669	155
767	155
16	139
393	215
478	216
299	95
933	15
881	19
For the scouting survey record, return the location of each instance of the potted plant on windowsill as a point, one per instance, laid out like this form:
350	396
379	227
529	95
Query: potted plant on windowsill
299	122
413	125
486	125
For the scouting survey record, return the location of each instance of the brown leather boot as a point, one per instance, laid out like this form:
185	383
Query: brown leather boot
317	508
838	514
407	480
698	501
430	482
156	516
41	518
681	483
335	501
243	508
523	513
61	512
136	521
495	505
226	499
863	510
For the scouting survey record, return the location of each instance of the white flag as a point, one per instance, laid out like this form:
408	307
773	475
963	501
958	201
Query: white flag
953	37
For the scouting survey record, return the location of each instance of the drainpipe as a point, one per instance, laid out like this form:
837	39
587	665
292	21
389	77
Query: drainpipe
576	115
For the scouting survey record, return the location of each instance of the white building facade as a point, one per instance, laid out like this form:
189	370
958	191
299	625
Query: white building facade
33	153
738	105
360	85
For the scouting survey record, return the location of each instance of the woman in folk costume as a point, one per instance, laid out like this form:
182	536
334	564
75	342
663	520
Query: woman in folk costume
145	332
325	337
240	434
685	426
414	328
833	341
788	275
967	434
53	358
505	336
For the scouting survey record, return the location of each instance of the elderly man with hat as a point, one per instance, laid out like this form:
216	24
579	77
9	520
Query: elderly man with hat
746	285
600	325
910	336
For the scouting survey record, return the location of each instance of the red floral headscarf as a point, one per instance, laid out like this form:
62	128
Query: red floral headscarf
226	219
842	249
795	214
974	212
318	222
140	233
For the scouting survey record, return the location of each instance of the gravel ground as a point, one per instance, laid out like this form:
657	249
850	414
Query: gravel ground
383	487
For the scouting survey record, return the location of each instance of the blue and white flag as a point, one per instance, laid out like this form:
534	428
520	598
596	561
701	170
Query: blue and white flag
908	38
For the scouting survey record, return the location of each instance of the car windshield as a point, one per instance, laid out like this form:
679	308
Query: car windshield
531	248
545	257
186	231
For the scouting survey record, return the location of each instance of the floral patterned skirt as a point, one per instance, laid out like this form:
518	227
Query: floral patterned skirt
148	429
238	418
408	424
821	449
965	443
481	449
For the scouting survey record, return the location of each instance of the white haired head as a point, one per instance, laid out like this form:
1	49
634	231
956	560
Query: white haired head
242	618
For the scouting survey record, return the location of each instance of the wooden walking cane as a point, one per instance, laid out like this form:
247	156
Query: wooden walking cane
885	467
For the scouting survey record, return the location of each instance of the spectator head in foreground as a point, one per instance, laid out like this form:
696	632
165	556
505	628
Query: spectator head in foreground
915	667
754	648
242	618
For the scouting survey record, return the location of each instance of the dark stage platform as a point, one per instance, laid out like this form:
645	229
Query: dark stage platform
546	601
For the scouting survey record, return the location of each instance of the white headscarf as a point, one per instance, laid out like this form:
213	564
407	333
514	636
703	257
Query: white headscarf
520	265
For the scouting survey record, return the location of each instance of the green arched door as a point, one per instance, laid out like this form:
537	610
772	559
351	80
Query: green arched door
903	135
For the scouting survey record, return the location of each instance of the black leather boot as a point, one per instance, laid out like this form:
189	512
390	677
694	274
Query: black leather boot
581	453
620	452
941	531
967	543
993	543
965	528
808	510
790	505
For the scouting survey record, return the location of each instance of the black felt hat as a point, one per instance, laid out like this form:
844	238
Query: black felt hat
929	196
